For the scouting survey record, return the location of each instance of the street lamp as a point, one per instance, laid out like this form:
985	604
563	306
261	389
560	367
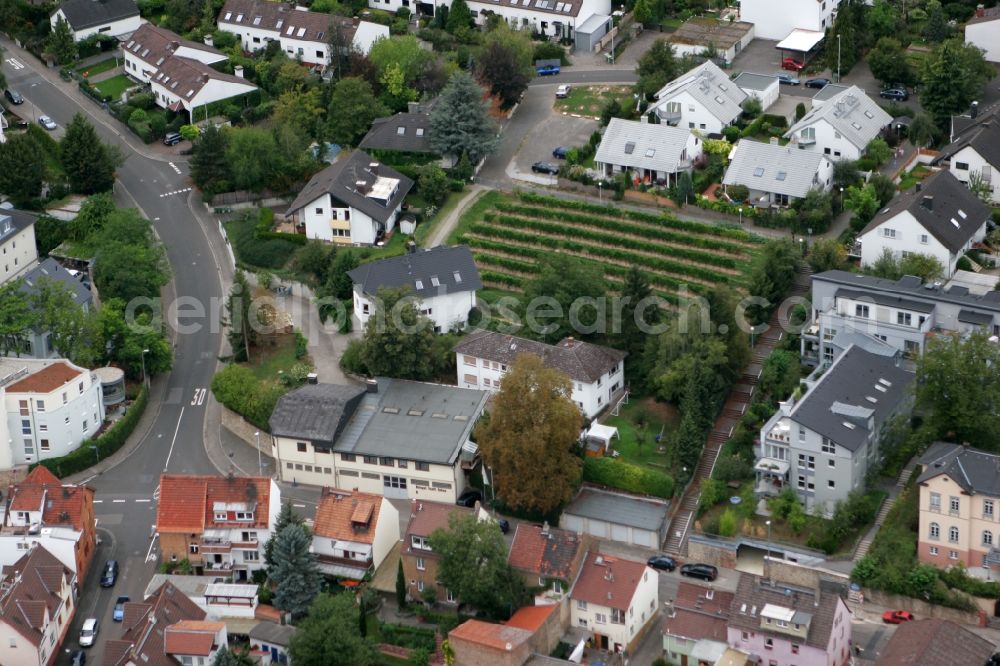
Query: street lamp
97	452
741	214
145	379
768	556
260	465
600	191
838	57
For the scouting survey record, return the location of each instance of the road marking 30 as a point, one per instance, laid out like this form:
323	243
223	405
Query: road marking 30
16	64
199	396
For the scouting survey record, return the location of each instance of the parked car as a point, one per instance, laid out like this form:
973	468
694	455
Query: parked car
504	525
13	96
47	123
88	634
792	64
119	612
172	139
818	83
78	658
703	571
560	152
470	497
787	79
545	167
562	92
547	70
896	616
110	573
662	562
895	94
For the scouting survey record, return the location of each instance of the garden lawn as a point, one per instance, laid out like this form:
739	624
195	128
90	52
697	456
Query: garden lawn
268	362
912	177
114	86
638	423
590	100
98	67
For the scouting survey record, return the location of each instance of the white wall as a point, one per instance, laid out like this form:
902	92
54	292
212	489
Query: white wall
446	311
767	97
113	29
363	229
217	89
17	253
975	163
642	607
694	114
58	541
831	143
910	237
251	38
986	36
367	34
774	19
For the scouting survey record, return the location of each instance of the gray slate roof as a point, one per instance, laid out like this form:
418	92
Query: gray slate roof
18	221
711	86
774	168
638	145
582	361
911	286
81	14
452	267
752	593
954	215
852	113
53	270
977	472
829	91
751	81
983	138
273	633
315	412
620	509
341	179
405	132
842	395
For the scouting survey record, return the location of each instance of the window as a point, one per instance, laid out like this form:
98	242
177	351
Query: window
44	445
795	648
402	464
420	586
371	460
29	447
301	446
581	605
953	505
40	405
422	466
987	538
348	457
953	534
745	635
952	554
65	399
25	427
600	618
450	597
419	542
617	616
988	509
802	434
386	462
85	425
244	515
807	462
904	319
831	484
469	360
421	564
394	482
962	166
828	446
193	548
933	550
81	387
768	643
935	502
861	311
923	239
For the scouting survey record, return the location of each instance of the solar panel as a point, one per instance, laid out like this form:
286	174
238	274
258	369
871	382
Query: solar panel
630	147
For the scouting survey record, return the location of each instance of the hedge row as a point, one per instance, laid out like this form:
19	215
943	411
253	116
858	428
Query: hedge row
626	476
107	443
408	637
265	225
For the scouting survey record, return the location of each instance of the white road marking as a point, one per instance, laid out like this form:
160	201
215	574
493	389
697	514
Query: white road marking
174	167
174	440
149	553
299	506
117	501
199	397
98	501
170	194
16	64
143	500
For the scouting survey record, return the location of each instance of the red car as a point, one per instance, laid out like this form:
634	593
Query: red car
792	64
897	617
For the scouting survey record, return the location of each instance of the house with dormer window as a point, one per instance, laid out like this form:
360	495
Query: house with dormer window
353	532
703	98
840	128
777	175
613	599
648	152
975	154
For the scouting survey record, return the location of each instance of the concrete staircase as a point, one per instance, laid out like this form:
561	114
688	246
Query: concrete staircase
866	542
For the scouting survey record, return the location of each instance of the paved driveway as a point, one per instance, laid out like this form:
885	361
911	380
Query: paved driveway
550	131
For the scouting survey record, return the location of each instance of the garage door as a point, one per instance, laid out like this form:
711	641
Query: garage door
619	533
571	523
598	528
643	538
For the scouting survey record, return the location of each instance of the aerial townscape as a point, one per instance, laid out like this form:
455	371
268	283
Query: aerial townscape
500	332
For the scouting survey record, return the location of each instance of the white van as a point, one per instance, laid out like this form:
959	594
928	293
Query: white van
88	634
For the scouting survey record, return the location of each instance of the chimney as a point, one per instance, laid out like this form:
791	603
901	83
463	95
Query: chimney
413	107
774	141
569	342
361	186
928	202
238	71
371	386
312	378
643	119
373	168
411	247
980	11
209	40
545	528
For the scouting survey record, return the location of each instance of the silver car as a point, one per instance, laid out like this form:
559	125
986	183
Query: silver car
88	634
47	123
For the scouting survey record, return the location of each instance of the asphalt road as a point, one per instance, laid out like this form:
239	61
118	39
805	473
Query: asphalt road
126	507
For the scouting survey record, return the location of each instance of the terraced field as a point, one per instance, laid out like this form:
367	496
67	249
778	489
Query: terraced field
510	235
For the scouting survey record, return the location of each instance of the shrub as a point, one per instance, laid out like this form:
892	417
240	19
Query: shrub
142	101
738	192
712	492
236	387
409	637
963	264
550	51
352	360
727	523
626	476
732	468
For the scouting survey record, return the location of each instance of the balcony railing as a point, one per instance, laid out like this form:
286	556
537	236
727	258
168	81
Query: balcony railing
344	561
216	546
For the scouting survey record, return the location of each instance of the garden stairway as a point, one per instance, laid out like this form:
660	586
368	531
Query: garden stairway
737	401
883	513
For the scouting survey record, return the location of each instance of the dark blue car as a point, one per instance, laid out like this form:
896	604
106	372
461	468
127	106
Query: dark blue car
547	70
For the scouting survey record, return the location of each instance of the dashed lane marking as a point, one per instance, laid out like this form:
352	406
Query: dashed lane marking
170	194
174	167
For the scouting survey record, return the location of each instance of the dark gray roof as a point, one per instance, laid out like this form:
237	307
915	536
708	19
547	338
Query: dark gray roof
983	137
315	412
845	397
751	81
943	206
752	593
911	286
451	267
977	318
273	633
890	300
341	180
81	14
53	270
619	509
771	167
13	222
405	132
582	361
974	470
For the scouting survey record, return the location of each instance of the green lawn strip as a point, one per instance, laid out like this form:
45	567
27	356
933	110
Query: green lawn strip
637	430
474	213
590	100
98	67
424	229
114	86
269	362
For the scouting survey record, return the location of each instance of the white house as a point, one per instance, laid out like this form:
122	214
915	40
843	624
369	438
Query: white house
17	244
764	87
697	34
272	640
983	30
703	98
36	608
976	152
220	601
939	217
188	84
841	127
597	373
302	34
353	532
613	599
443	280
107	18
49	408
354	201
149	47
650	152
777	175
775	19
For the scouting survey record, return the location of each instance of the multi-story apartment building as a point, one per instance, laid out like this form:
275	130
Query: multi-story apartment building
823	444
17	243
775	19
597	373
353	532
894	315
219	524
420	562
37	603
614	599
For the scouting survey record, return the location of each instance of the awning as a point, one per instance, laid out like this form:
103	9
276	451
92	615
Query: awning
354	547
602	432
342	570
800	40
771	466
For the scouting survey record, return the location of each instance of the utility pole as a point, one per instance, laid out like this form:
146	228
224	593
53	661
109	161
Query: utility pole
838	57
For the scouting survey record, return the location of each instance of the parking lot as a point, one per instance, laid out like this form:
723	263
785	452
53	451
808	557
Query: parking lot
552	129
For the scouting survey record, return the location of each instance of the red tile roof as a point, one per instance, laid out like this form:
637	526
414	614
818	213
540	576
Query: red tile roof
164	608
347	515
191	637
187	501
60	504
545	551
695	616
608	581
41	474
46	380
487	634
37	591
425	517
530	618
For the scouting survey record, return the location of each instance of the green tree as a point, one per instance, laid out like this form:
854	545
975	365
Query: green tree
61	43
640	311
642	12
529	439
209	166
657	66
505	62
287	516
460	121
433	184
240	333
953	76
130	262
779	376
923	131
863	201
459	18
294	571
815	211
925	266
353	107
398	340
771	275
885	266
937	28
328	636
472	565
50	232
565	282
827	254
883	20
752	107
16	317
403	54
800	111
73	333
125	340
94	214
230	657
889	63
885	188
338	282
252	156
684	189
845	172
400	586
879	150
843	43
22	169
89	164
302	109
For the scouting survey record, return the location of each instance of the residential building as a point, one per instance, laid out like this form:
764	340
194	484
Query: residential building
842	127
827	93
41	510
614	599
939	217
354	201
37	604
443	280
695	628
823	444
165	629
935	642
604	514
420	562
597	373
698	35
404	132
303	35
787	625
983	30
220	601
703	98
648	152
547	557
150	46
271	640
396	438
219	524
530	630
777	175
103	18
764	87
49	408
17	244
975	154
775	19
353	532
36	342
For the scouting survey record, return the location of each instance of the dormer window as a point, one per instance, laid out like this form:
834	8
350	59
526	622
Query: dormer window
239	18
435	282
244	515
419	284
221	515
